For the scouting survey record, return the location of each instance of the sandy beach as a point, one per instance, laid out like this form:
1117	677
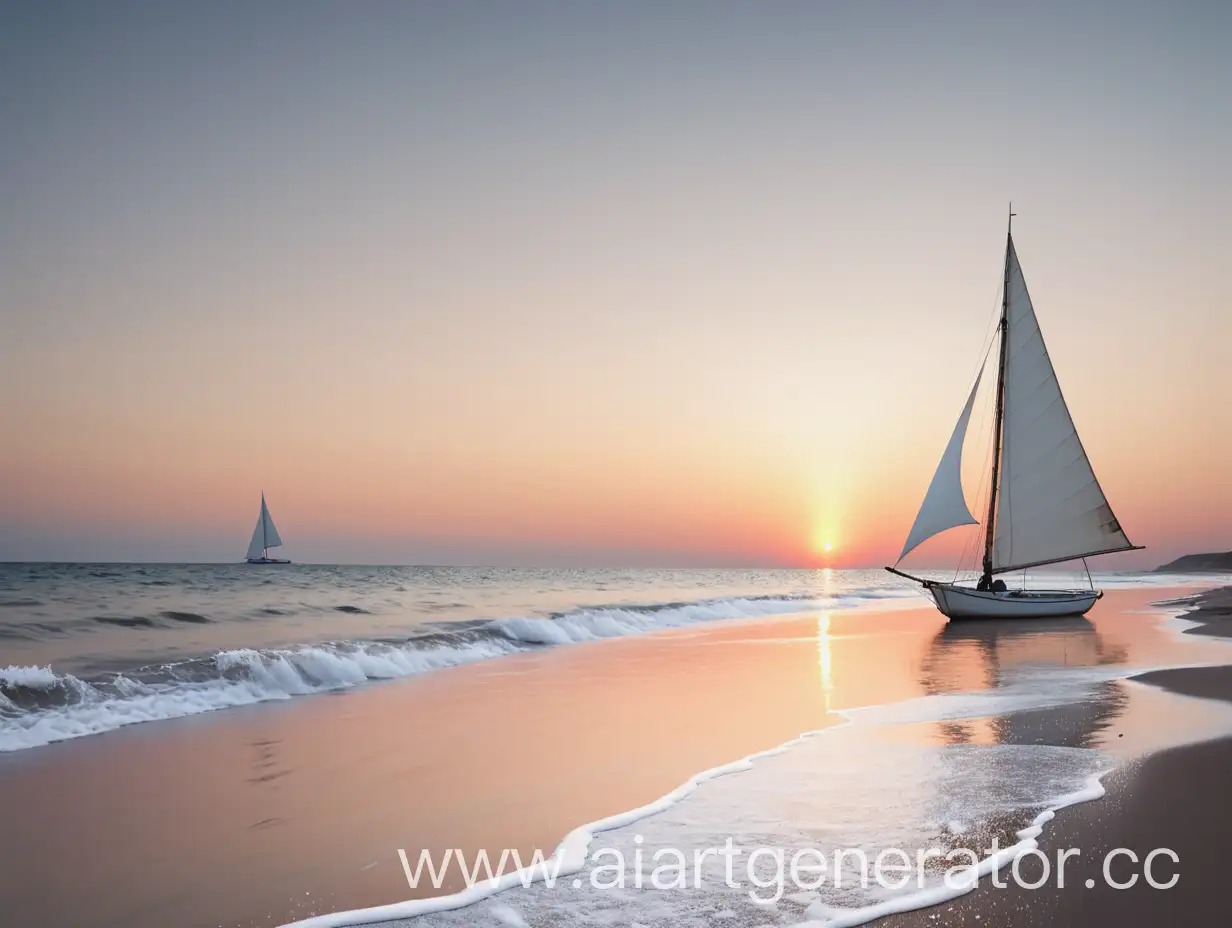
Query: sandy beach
262	815
1172	799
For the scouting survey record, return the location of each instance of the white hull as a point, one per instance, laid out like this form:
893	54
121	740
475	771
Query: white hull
960	602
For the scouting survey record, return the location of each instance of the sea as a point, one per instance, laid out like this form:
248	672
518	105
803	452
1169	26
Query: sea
87	648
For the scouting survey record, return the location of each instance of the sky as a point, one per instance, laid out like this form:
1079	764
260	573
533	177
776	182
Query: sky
687	284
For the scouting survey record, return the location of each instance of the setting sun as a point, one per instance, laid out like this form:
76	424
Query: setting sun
827	546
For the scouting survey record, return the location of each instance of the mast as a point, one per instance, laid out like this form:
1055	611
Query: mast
989	536
265	528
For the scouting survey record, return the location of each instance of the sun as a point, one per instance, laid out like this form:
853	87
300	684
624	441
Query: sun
825	542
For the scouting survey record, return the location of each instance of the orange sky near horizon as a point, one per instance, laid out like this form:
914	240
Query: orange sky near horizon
655	293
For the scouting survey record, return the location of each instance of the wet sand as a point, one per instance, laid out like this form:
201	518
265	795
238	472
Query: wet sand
1213	609
1173	799
261	815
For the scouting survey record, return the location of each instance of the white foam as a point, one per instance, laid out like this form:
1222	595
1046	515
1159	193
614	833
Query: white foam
30	676
833	917
249	676
507	915
1029	688
571	855
568	858
617	622
245	677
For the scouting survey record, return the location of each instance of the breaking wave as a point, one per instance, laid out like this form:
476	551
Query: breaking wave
619	621
39	706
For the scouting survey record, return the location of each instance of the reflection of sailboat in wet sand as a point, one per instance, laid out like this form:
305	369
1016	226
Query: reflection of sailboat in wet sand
995	655
1044	504
264	537
1067	641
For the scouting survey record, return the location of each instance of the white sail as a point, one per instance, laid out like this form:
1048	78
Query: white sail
1049	506
256	547
271	534
265	535
944	506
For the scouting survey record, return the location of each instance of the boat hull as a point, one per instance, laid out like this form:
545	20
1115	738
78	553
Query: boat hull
957	602
266	560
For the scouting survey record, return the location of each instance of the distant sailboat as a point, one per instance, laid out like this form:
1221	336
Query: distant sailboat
1045	505
264	537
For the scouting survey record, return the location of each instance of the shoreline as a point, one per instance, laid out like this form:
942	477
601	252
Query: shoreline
229	677
510	753
572	849
141	662
1212	608
1171	798
299	807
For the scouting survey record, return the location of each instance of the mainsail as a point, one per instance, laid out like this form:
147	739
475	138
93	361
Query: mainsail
1049	505
265	535
944	506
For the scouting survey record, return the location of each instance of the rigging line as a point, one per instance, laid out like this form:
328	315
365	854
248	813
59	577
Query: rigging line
990	334
970	553
970	546
967	549
988	412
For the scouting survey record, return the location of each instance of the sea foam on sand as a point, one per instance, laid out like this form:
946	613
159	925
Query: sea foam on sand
870	784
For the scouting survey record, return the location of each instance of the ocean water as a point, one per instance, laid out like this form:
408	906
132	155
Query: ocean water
86	648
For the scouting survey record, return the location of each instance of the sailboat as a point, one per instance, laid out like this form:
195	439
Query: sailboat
264	537
1044	504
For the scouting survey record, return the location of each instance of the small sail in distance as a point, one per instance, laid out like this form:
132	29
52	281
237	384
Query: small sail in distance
264	537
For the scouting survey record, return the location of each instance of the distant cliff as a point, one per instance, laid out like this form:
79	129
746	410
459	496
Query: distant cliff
1199	564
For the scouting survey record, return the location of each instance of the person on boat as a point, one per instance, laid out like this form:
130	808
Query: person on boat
988	585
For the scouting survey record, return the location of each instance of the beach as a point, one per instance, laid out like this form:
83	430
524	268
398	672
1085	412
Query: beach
264	814
1172	799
